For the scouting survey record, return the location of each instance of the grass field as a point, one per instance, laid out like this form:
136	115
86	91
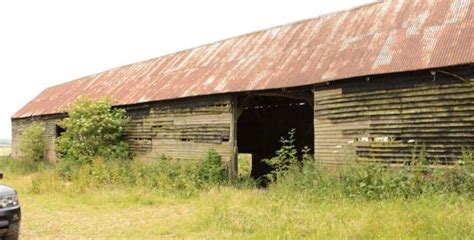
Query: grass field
232	213
5	151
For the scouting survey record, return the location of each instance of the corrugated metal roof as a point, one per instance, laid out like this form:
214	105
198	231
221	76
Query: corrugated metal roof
386	37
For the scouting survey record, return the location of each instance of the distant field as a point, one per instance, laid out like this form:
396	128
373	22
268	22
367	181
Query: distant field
5	150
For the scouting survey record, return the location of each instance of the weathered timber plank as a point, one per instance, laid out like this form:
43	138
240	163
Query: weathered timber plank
437	116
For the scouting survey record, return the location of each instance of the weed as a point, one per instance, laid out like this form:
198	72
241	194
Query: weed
373	181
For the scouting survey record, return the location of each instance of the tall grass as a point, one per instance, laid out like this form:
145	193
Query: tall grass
7	164
226	212
176	199
164	176
373	181
295	174
167	176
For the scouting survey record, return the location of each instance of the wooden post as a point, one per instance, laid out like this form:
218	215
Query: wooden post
313	93
234	164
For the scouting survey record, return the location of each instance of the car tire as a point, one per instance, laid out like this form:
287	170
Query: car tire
10	237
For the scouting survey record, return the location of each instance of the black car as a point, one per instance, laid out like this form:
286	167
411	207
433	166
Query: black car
10	213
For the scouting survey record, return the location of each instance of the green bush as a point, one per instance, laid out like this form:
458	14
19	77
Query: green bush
375	181
93	129
286	156
210	170
168	175
32	144
372	181
459	179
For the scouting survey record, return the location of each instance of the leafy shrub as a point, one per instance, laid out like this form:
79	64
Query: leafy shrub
285	156
93	129
168	175
210	170
32	144
459	179
65	167
372	181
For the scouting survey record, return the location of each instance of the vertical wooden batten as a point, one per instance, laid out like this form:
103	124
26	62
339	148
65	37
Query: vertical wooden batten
234	151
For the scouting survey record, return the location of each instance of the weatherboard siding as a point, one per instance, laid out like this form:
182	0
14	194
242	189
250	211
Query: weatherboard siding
183	129
391	117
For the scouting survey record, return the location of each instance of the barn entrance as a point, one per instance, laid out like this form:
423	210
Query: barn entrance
265	118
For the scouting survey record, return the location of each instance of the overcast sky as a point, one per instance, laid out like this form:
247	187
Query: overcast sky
44	43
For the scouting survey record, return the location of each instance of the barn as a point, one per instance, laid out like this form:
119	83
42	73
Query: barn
372	83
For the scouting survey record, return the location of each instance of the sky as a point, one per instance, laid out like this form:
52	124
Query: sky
48	42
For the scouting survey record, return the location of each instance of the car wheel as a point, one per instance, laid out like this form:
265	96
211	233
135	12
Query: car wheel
10	237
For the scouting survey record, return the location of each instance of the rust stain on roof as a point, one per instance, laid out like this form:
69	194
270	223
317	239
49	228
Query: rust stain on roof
385	37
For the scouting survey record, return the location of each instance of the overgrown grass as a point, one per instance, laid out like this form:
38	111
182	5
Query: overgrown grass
375	182
21	167
163	176
186	178
172	199
298	172
226	212
245	165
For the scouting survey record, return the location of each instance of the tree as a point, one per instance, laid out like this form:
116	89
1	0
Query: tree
32	144
93	129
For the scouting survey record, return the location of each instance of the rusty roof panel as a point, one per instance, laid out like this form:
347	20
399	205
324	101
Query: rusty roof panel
385	37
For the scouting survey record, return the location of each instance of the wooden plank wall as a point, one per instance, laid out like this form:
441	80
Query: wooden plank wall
49	123
389	118
181	129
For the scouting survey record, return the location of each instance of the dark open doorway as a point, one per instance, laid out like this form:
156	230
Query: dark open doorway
266	118
59	131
